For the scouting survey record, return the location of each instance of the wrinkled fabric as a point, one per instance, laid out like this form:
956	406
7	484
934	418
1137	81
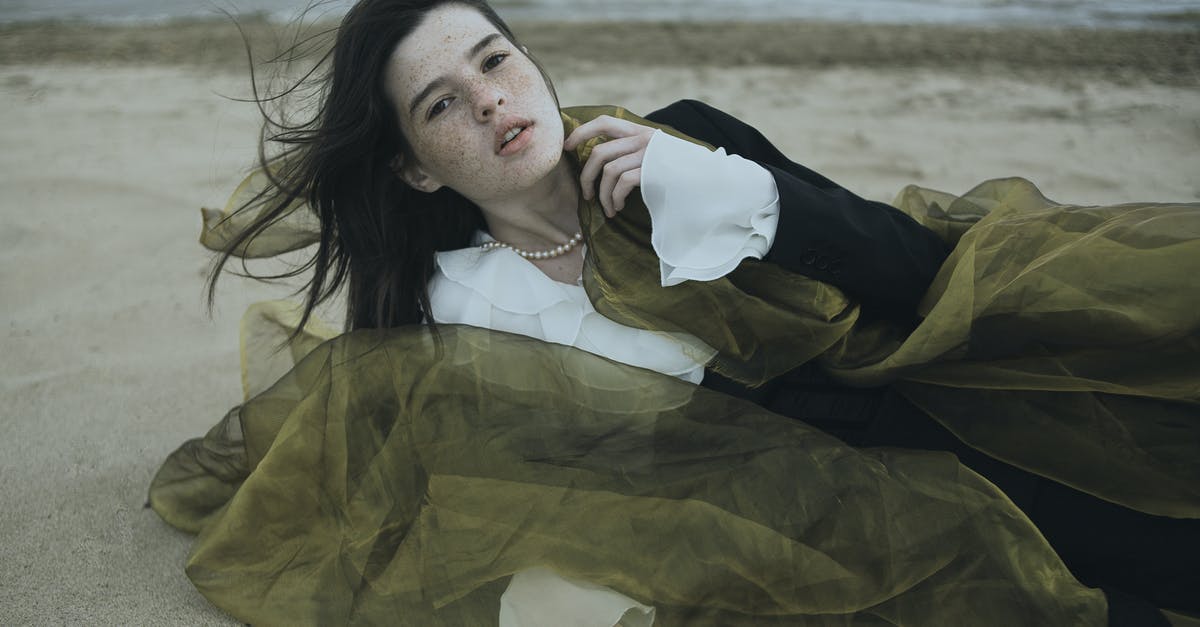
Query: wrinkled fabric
1062	339
388	481
383	479
497	289
710	210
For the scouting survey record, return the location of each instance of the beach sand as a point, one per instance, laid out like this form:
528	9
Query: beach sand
115	136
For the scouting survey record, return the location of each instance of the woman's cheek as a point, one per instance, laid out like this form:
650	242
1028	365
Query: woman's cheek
446	159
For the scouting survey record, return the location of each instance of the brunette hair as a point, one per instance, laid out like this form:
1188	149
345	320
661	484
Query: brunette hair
378	235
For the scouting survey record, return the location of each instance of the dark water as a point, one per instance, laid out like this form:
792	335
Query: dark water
1167	14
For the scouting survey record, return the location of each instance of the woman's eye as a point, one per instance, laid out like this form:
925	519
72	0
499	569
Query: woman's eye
438	107
494	60
489	64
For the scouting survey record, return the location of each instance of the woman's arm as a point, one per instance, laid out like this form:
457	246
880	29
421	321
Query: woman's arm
870	250
709	210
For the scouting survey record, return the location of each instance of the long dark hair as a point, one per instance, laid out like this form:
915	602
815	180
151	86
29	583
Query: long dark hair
378	236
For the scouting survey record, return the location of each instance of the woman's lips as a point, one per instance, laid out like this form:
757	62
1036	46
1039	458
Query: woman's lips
516	144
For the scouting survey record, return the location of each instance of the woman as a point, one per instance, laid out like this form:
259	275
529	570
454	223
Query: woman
442	474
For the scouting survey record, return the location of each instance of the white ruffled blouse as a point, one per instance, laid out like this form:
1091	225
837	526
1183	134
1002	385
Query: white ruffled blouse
708	211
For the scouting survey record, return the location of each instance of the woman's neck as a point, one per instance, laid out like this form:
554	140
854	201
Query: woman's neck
542	216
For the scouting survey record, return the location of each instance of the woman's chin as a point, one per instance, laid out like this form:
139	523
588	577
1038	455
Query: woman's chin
538	161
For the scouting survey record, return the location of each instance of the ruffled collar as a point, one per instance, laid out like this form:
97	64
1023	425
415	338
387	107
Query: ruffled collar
508	280
500	290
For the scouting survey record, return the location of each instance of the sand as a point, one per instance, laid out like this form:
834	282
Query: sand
114	137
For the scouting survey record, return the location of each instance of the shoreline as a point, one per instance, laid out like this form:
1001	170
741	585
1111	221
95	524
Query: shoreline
1120	56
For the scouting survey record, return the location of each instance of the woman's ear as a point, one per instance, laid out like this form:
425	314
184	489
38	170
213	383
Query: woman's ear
411	172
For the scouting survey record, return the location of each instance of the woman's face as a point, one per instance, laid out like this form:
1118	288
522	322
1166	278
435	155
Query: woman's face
462	90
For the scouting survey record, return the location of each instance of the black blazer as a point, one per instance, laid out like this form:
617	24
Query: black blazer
870	250
886	261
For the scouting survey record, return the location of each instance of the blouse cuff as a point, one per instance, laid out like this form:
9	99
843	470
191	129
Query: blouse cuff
539	597
708	210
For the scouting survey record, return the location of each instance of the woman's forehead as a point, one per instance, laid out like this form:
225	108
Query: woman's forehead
442	40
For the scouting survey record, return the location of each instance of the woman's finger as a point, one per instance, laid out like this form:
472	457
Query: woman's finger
602	155
603	125
629	179
614	173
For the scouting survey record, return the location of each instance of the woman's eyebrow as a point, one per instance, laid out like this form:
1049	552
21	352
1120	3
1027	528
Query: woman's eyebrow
439	81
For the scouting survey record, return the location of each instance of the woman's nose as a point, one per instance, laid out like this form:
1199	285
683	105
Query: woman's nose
487	99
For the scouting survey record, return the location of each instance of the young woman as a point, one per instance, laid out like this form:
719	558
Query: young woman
457	459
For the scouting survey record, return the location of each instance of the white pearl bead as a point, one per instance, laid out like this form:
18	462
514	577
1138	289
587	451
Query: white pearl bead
537	254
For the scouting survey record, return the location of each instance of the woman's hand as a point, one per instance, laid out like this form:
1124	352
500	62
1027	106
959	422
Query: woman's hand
617	161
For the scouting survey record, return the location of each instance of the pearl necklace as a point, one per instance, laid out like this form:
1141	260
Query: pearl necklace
551	253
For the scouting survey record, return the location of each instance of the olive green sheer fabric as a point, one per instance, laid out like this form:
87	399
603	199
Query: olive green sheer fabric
382	481
1062	339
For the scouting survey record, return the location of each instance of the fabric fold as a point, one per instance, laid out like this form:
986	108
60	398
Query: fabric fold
397	476
709	210
497	289
408	483
1040	304
1039	301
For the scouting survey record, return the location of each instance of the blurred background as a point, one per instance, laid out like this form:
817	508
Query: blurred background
1100	13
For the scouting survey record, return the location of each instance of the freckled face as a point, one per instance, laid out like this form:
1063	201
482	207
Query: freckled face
458	86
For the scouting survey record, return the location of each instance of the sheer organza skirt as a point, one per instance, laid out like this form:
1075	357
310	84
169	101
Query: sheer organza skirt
394	477
402	477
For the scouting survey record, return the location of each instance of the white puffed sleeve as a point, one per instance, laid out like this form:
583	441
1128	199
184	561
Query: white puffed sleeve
539	597
708	210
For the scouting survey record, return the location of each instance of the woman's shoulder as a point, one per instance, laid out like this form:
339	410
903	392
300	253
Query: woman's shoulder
680	110
706	123
689	108
687	119
694	116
